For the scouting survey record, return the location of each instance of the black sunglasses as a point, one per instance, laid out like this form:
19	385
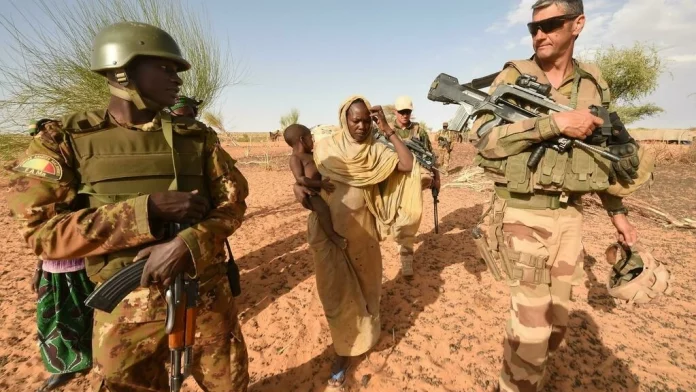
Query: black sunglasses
404	112
550	24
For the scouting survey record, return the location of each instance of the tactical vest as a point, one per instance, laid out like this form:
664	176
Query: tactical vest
408	133
116	164
575	171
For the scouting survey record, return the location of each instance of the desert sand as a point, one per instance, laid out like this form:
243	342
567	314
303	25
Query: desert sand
443	330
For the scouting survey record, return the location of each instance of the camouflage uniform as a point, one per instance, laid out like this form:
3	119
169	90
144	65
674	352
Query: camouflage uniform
406	242
445	150
536	228
60	195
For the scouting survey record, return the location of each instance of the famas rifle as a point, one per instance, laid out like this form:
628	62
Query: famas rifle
474	103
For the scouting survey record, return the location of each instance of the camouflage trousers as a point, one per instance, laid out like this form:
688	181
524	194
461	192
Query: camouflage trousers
545	253
130	346
405	240
443	159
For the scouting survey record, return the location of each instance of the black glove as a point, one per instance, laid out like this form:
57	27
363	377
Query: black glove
626	169
618	130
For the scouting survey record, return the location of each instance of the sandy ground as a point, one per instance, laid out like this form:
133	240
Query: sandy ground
443	330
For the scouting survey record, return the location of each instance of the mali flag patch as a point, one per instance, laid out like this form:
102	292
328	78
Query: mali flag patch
41	166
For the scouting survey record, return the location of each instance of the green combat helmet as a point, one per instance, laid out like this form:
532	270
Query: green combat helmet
637	277
116	45
33	128
36	126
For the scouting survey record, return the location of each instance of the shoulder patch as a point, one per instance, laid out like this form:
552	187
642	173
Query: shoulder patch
39	165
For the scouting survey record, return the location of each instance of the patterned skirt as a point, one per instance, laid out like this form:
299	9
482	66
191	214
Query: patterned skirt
65	322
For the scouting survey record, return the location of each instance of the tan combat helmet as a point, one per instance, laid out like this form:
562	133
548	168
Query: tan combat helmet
637	277
116	45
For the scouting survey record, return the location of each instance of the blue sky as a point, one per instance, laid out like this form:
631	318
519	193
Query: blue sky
311	55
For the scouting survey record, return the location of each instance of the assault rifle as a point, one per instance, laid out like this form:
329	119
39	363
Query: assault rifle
444	143
180	325
473	103
423	156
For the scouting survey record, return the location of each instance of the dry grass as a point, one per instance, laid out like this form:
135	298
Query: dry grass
11	145
666	154
472	178
244	137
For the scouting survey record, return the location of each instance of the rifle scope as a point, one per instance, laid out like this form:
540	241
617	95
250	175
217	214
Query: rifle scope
529	81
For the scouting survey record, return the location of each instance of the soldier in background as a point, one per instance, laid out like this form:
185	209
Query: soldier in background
406	129
103	185
535	226
445	142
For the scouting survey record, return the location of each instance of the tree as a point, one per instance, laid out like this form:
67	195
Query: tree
291	118
48	70
632	73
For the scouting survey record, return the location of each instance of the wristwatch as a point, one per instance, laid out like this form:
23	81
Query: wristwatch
622	210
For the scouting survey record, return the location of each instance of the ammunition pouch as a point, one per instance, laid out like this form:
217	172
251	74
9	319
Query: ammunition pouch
576	171
518	266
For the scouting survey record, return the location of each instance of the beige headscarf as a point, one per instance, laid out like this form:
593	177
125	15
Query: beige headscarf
393	197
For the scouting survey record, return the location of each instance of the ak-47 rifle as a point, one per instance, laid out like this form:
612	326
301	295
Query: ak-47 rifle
180	325
422	155
110	293
182	301
473	103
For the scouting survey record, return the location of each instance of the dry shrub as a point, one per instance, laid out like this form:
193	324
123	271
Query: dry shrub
689	156
666	154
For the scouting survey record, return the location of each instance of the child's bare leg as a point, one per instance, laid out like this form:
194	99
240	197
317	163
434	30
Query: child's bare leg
322	209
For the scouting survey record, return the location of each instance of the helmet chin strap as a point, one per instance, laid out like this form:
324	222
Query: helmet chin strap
129	92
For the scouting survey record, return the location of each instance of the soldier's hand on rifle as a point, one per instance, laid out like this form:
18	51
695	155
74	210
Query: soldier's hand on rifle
179	207
164	262
327	185
577	124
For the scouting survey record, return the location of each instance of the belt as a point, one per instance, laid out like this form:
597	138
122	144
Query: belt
534	201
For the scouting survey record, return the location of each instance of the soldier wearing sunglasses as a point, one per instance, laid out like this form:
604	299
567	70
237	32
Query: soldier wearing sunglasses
407	129
535	221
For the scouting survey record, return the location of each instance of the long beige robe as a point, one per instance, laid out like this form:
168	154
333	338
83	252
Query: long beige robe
371	201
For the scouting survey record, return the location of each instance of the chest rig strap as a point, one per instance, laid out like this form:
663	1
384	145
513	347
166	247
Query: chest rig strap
168	131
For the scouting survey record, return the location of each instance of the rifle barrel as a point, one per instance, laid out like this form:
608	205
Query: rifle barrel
599	151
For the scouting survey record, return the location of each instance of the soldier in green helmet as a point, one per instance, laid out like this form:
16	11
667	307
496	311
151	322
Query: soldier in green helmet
105	185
